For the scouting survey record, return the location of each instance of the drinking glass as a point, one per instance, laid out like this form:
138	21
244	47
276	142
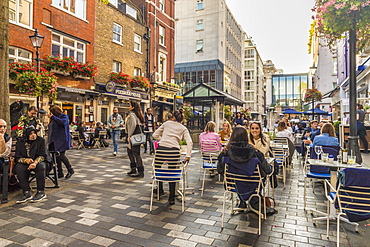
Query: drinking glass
318	151
325	157
351	159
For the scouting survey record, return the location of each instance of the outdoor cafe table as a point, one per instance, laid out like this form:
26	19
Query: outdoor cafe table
333	182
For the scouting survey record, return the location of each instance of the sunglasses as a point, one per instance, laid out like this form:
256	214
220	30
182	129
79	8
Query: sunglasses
4	126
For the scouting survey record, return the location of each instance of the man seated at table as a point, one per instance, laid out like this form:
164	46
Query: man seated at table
30	154
5	144
309	135
327	137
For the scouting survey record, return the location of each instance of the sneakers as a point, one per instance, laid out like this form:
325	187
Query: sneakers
26	196
40	195
69	174
114	153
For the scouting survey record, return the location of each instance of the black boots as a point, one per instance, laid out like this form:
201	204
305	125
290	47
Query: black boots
138	175
70	173
132	171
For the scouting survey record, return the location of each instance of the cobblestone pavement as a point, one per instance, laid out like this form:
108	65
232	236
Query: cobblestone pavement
101	206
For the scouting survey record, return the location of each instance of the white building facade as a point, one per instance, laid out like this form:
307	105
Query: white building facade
208	46
253	80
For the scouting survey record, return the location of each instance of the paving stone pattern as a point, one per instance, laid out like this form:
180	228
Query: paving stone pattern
101	206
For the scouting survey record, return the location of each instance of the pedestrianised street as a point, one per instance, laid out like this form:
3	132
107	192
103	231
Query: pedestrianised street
102	206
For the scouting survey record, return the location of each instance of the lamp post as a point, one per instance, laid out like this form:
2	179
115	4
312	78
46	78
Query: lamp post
313	69
36	40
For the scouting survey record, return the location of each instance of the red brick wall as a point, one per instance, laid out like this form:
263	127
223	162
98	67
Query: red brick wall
62	21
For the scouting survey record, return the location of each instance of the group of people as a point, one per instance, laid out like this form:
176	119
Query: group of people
32	153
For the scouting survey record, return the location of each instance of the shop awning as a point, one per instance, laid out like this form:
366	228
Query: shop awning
77	90
204	92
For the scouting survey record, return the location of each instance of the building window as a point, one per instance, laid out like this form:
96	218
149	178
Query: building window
117	33
19	55
20	12
117	66
335	66
74	7
199	25
161	5
137	71
249	75
249	53
67	47
137	42
199	4
131	11
248	64
199	44
161	35
162	67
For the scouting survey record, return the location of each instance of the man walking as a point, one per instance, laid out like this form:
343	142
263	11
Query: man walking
115	123
361	130
149	130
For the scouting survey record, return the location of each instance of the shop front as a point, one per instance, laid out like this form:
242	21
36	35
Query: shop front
78	104
163	102
111	96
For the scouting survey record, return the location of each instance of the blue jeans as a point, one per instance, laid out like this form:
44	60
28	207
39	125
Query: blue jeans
149	138
115	136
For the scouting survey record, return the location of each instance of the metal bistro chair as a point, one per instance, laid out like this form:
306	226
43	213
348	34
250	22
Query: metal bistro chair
51	171
168	168
318	172
246	182
76	138
281	158
210	151
352	197
98	140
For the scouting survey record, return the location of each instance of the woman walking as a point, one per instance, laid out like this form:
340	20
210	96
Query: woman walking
169	135
134	125
60	139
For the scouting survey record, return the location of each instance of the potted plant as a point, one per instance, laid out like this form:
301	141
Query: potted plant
183	146
120	78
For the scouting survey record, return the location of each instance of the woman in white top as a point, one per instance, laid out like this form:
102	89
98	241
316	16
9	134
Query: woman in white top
169	135
258	139
283	132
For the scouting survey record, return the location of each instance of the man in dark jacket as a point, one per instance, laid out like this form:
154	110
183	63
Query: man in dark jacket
30	155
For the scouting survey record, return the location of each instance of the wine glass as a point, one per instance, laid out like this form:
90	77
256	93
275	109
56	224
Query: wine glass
318	151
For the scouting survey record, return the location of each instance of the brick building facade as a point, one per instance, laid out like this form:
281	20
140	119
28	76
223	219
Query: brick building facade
68	29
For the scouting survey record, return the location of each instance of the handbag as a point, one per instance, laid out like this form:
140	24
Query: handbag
138	139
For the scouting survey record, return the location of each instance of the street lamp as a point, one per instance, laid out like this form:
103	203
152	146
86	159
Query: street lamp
313	69
36	40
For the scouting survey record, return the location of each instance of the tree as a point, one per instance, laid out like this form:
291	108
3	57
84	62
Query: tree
4	46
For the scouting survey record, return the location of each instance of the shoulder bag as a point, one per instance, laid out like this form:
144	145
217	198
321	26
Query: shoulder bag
139	138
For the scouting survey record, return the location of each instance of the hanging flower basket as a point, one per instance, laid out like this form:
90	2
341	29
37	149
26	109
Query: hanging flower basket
120	78
28	81
68	66
335	17
312	94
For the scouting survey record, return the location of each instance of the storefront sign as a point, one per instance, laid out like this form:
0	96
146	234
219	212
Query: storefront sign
128	93
74	90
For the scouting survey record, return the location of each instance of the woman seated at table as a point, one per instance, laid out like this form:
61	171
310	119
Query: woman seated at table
210	134
30	155
258	139
284	132
225	133
240	151
327	137
81	130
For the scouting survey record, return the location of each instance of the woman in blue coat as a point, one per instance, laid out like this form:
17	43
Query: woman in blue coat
60	139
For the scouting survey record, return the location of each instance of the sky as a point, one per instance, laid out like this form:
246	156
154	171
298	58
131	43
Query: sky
279	28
